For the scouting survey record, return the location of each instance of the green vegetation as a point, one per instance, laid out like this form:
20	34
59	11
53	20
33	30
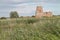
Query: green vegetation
30	29
3	18
14	14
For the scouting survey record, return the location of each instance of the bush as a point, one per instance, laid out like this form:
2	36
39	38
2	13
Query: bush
31	21
33	16
3	18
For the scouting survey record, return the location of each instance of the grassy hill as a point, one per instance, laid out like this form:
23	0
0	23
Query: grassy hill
30	29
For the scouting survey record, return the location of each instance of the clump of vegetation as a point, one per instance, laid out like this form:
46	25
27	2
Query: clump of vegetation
31	21
3	18
33	16
27	21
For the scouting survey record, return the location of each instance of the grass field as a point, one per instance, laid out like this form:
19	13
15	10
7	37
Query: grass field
30	29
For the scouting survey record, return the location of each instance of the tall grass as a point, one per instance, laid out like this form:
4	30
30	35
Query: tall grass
30	29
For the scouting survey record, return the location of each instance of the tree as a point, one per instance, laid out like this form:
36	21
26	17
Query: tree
14	14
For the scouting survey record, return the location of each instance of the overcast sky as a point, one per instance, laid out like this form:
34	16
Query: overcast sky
28	7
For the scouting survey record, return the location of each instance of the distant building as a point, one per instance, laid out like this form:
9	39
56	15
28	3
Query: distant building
48	14
40	13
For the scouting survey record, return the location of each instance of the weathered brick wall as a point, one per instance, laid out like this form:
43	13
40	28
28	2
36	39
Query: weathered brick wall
47	14
39	15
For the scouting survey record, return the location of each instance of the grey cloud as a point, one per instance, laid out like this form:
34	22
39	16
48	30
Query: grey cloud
8	5
15	2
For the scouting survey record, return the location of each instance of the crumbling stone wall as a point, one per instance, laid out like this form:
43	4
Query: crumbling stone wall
48	14
40	13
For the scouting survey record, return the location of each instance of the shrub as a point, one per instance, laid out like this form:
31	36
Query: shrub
33	16
31	21
3	18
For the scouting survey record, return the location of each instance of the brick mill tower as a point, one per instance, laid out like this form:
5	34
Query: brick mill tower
39	12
